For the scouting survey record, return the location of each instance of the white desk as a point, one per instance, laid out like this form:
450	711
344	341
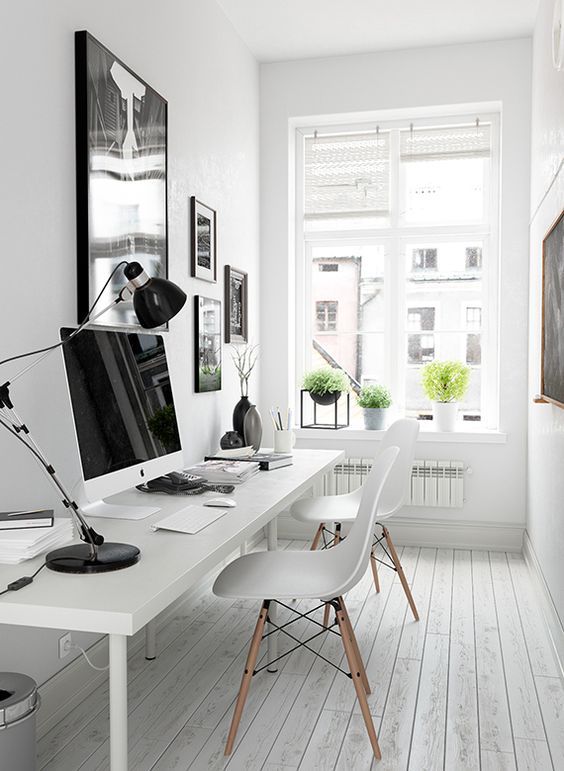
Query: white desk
121	603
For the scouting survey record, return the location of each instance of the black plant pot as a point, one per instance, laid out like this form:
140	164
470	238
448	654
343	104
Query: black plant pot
241	409
325	399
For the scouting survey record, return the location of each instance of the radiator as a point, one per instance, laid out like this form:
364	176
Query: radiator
433	482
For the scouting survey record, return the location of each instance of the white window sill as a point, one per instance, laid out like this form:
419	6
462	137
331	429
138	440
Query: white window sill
466	435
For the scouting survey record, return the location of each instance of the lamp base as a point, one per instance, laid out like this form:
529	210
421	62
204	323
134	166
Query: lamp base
75	559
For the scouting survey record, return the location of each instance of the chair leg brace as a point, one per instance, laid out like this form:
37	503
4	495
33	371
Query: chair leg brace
346	633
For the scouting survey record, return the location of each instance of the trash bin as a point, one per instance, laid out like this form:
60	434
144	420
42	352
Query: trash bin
19	702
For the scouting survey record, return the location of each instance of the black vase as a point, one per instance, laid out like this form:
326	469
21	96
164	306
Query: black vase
241	409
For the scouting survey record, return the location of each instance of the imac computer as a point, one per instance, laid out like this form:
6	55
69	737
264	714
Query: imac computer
124	416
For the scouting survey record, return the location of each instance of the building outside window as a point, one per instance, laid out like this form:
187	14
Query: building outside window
399	228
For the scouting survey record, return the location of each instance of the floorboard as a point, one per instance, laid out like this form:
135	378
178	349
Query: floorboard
472	686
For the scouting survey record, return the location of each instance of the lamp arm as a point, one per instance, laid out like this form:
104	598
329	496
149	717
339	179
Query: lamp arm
87	533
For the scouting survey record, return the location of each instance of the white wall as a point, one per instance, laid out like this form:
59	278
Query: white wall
189	52
545	523
486	72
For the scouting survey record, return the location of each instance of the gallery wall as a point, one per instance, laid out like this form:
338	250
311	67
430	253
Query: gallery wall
307	90
189	53
545	524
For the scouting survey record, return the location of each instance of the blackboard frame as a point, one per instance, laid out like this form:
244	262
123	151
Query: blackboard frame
552	334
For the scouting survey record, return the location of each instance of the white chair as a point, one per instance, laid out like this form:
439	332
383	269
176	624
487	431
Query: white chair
343	508
274	576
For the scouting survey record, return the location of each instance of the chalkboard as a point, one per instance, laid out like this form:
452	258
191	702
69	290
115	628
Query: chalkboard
552	371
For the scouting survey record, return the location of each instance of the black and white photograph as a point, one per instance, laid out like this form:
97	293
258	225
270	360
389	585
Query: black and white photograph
207	344
203	241
552	371
236	305
121	125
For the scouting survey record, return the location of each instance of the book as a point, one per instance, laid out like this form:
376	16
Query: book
224	471
20	520
267	460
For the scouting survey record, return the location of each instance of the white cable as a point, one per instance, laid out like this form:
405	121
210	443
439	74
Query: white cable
78	648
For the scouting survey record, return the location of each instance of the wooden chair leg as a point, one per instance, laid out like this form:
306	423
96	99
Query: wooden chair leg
247	676
354	643
357	680
315	542
374	567
326	612
337	539
401	574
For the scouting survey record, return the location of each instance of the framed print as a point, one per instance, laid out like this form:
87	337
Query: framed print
203	241
207	344
236	311
552	347
121	162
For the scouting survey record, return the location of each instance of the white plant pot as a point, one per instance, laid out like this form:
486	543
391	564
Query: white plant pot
375	418
444	415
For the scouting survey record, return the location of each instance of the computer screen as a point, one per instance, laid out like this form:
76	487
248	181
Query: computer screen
123	408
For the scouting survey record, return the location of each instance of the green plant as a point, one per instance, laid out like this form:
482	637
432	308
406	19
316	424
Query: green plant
162	424
325	380
445	381
374	397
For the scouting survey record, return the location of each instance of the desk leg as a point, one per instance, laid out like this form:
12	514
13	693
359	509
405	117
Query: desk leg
118	702
151	640
272	539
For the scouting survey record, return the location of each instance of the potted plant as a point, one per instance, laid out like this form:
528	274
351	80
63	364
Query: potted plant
325	385
445	383
374	400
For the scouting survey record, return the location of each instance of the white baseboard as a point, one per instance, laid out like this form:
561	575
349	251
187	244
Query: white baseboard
409	531
71	685
553	621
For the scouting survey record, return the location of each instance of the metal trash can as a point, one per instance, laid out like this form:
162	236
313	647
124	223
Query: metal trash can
19	702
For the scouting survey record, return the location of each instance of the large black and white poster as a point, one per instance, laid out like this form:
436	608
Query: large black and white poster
553	314
121	125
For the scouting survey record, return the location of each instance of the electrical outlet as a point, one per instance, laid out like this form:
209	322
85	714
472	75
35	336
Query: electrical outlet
65	643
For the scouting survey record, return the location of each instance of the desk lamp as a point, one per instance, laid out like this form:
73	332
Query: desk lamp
155	301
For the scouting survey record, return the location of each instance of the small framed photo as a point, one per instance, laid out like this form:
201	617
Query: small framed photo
236	310
204	257
207	344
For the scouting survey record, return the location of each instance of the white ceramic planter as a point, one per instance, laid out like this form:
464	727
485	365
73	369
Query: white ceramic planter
444	415
375	418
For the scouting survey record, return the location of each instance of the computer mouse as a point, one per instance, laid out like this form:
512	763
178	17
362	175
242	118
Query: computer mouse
227	503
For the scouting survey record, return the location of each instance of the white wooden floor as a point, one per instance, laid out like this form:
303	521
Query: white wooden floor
473	685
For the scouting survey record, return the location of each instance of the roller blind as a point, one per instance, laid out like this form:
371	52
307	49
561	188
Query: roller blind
447	143
347	177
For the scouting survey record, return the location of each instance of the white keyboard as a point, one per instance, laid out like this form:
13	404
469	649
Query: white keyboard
190	520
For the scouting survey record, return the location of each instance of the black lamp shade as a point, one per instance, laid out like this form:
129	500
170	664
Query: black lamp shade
157	301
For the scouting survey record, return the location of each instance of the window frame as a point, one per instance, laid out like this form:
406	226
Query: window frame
394	239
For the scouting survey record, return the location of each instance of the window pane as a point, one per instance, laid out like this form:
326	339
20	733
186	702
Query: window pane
347	306
347	181
443	192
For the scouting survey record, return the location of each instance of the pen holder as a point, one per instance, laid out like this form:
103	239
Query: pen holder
284	441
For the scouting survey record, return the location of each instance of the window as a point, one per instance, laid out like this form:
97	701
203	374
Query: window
399	230
424	259
473	258
326	316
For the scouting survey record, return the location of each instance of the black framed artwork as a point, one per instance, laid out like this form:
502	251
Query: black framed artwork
207	344
121	161
203	241
236	305
552	344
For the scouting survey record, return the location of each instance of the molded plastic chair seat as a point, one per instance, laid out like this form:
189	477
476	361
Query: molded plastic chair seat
286	575
327	508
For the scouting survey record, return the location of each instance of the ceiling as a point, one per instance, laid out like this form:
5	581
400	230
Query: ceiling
278	30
